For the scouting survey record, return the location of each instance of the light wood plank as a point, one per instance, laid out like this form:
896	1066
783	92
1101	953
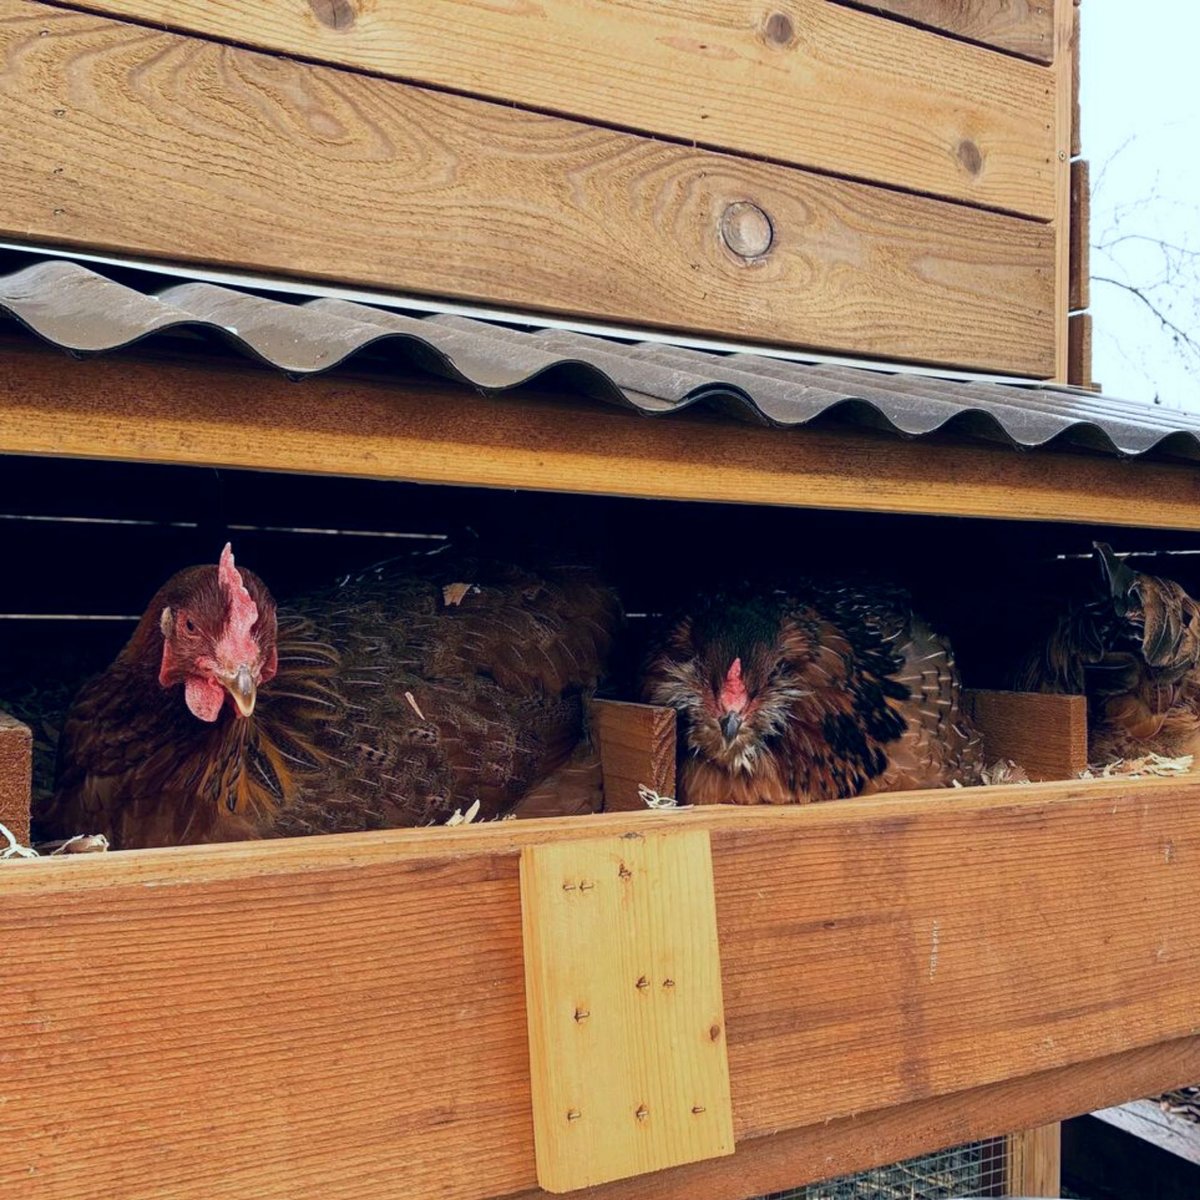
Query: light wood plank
1033	1162
887	950
1046	735
807	82
1081	219
16	765
637	749
1024	27
236	415
1076	118
1079	369
1064	125
628	1067
159	145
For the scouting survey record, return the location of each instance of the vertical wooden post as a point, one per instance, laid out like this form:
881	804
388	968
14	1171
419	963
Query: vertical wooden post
1033	1162
1064	82
16	771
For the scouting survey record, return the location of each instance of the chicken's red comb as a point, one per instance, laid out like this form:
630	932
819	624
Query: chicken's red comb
734	696
243	612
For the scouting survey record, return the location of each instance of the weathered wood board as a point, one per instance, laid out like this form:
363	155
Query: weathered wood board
236	415
342	1016
153	144
807	83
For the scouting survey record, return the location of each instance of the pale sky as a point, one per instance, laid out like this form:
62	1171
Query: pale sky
1141	91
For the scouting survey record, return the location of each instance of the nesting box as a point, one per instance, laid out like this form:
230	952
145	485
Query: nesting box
792	278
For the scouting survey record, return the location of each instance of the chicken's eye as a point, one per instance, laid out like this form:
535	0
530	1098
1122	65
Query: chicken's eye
189	624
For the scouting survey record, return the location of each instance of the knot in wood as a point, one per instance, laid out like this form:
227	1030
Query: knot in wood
970	156
747	230
642	1112
335	14
779	30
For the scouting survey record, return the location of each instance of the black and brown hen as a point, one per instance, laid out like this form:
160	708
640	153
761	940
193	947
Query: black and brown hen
818	693
1132	647
392	699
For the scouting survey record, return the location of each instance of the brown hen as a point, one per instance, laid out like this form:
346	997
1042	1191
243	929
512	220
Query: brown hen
1132	647
817	694
392	699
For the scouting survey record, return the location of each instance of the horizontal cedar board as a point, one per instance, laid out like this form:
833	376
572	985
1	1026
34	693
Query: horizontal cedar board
150	143
345	1016
790	1160
807	83
1023	27
237	415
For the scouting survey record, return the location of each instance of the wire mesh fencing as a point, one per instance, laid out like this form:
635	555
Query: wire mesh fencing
973	1169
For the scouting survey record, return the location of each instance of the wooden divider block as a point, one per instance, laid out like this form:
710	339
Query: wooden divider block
1044	734
16	765
637	749
628	1065
1033	1162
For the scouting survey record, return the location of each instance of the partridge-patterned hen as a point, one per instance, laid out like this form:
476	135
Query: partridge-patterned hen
816	694
392	699
1132	648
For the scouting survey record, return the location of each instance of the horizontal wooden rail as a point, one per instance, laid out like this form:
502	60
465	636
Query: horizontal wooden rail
234	414
172	147
1024	27
805	82
340	1016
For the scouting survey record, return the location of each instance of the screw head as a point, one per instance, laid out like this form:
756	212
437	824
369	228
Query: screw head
747	230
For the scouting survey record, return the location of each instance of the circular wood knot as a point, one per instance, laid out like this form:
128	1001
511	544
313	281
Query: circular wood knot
714	1033
779	30
970	156
336	14
747	230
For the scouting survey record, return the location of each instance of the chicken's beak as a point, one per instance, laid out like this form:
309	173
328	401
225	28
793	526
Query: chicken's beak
730	724
241	686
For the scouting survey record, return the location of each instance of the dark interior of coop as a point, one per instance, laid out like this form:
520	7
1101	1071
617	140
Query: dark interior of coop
86	544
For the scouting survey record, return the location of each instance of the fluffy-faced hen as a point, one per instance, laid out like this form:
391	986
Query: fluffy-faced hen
391	699
1131	645
815	694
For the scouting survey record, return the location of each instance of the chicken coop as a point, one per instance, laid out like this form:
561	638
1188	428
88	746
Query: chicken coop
685	290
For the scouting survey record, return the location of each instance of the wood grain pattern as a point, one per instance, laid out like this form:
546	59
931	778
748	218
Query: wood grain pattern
628	1067
1024	27
792	1159
1081	219
806	83
1046	735
1079	369
16	759
1076	118
1064	125
888	950
236	415
1033	1162
637	749
160	145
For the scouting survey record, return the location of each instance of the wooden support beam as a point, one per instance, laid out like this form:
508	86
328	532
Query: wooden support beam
628	1066
1024	27
1064	124
637	749
238	415
807	83
1033	1162
16	766
877	948
153	144
1046	735
1081	219
1079	370
1076	121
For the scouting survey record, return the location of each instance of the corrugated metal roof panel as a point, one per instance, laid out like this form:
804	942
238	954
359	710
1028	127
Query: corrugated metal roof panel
80	310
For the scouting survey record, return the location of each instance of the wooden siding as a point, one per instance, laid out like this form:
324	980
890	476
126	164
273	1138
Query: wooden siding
1024	27
236	415
807	82
154	144
332	1017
